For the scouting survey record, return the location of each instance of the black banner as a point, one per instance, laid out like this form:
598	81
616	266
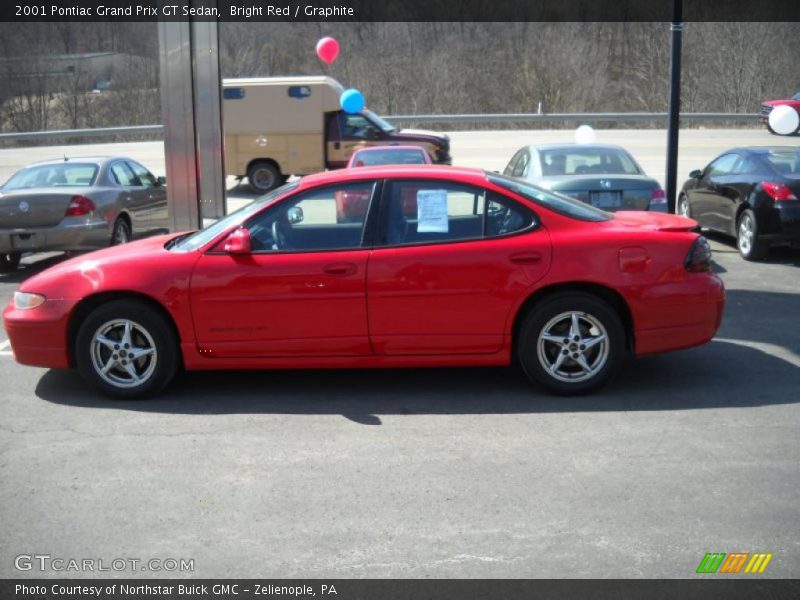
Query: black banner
704	587
399	10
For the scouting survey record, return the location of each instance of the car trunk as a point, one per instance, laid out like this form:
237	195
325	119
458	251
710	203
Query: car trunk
608	192
654	221
32	208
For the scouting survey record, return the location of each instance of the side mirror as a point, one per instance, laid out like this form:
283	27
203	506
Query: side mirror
696	174
238	242
295	215
161	180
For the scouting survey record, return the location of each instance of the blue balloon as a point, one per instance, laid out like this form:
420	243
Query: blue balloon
351	101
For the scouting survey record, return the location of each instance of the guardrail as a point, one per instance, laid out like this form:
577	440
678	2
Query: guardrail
474	118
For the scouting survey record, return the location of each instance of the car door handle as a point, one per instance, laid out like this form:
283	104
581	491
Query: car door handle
343	268
526	258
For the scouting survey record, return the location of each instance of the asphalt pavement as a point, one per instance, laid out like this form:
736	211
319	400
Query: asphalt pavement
421	473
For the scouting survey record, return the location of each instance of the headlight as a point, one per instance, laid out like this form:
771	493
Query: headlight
26	301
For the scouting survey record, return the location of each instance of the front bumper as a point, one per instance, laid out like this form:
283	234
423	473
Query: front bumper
78	235
39	336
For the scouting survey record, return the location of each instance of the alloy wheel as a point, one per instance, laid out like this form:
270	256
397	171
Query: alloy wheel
573	347
123	353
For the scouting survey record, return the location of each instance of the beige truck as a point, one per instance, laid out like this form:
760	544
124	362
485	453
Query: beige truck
281	126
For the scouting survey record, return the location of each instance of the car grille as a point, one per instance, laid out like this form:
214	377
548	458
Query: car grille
765	110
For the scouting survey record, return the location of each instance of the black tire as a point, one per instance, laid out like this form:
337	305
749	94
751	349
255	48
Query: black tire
9	262
750	246
263	177
771	130
683	200
149	329
121	233
554	317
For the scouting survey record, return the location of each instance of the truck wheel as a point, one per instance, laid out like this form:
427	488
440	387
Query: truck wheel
9	262
263	177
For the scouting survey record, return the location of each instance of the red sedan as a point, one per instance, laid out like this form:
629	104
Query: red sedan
487	270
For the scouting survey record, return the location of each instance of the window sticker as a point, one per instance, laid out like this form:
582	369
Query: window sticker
432	211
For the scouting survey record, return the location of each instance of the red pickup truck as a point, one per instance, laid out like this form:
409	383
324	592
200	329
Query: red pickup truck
768	105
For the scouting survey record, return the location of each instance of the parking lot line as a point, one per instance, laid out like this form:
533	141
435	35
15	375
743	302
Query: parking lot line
3	346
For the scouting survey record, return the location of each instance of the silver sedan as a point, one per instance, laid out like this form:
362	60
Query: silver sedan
79	204
602	175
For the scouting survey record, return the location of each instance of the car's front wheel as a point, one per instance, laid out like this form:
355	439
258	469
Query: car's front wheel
572	343
126	349
750	246
9	262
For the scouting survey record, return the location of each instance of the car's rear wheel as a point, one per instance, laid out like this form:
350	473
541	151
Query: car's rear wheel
126	349
121	233
263	177
747	237
683	207
9	262
571	343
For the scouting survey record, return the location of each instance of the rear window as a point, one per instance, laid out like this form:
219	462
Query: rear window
369	158
562	205
785	162
587	161
54	175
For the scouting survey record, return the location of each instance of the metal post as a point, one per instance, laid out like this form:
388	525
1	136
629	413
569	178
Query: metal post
190	105
674	104
208	119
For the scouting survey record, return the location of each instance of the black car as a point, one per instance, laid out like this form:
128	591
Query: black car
749	193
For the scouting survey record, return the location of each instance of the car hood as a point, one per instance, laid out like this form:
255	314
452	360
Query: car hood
780	102
653	221
422	134
107	269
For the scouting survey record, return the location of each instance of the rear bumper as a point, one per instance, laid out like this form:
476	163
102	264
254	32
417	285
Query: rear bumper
39	336
80	235
690	315
785	228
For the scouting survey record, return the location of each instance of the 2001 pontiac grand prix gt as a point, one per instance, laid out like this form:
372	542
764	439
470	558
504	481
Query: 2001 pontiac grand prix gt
441	266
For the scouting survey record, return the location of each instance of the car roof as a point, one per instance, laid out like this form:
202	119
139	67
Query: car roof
77	159
388	147
574	146
394	171
763	149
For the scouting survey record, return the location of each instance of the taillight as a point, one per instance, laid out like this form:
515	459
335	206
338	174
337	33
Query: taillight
778	191
699	257
658	196
79	206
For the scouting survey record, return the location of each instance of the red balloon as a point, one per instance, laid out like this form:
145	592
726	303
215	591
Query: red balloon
327	49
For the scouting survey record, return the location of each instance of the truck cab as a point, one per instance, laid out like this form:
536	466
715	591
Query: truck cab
281	126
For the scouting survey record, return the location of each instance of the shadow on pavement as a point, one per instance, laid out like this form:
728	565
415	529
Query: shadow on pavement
32	265
778	255
713	376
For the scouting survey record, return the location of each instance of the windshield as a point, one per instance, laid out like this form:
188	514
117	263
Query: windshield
796	96
387	127
562	205
53	175
204	236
